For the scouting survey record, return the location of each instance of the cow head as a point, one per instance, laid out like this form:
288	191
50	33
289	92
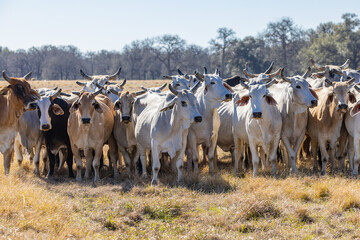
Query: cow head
261	77
125	105
46	109
179	82
340	96
184	102
214	87
87	105
98	80
302	93
330	72
22	89
257	96
152	89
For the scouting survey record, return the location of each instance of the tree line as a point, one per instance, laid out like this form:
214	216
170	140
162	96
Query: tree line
283	41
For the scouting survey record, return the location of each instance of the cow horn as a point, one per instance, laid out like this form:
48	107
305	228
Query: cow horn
307	73
55	88
27	76
76	93
85	75
205	70
98	85
173	90
80	83
6	77
180	72
144	88
113	91
217	72
351	81
283	76
123	83
186	76
316	65
115	75
346	64
199	76
65	94
270	83
140	93
328	81
271	75
357	88
269	68
163	86
167	77
97	92
195	87
248	73
55	95
243	84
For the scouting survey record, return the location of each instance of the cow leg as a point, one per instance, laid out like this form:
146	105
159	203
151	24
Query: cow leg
89	155
291	154
156	162
127	159
272	153
254	156
264	161
189	159
211	150
37	154
324	157
356	157
113	154
237	151
78	162
194	153
314	149
45	161
8	156
18	150
351	153
142	153
136	161
96	163
52	163
180	156
69	161
62	155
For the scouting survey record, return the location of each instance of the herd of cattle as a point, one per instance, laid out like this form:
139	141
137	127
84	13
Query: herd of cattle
254	117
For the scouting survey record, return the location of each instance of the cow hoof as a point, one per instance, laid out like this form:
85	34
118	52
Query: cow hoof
323	173
154	182
49	176
143	176
78	179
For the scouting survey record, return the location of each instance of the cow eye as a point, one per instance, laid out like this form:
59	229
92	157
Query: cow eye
298	86
177	85
19	90
212	82
183	103
331	75
334	93
264	96
194	80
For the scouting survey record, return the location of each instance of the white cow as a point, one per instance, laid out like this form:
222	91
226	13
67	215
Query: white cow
163	126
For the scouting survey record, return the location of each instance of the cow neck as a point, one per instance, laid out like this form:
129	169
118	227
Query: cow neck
177	122
206	105
14	108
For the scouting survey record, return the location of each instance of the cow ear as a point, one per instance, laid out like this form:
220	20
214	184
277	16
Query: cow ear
228	87
243	101
352	98
314	94
170	105
97	107
330	98
270	100
355	110
74	106
117	105
57	110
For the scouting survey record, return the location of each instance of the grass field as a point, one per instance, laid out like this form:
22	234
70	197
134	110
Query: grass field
218	206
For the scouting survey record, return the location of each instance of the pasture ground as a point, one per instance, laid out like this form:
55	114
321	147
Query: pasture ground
218	206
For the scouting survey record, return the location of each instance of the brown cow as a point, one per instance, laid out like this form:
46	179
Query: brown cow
90	126
15	99
326	119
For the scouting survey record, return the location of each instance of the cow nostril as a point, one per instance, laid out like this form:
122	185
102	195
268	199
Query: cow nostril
257	114
228	96
126	119
45	127
314	102
343	106
198	119
85	120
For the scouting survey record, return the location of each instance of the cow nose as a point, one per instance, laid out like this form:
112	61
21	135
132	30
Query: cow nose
228	96
85	120
126	119
314	103
257	114
343	106
198	119
45	127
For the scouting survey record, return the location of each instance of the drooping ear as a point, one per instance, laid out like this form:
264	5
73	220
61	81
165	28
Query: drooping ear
355	110
169	105
57	110
314	94
228	87
319	75
330	98
32	106
117	105
352	98
74	106
270	100
243	101
97	107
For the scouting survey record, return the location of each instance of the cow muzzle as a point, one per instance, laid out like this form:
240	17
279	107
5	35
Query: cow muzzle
86	120
314	103
198	119
342	107
257	115
45	127
228	97
126	119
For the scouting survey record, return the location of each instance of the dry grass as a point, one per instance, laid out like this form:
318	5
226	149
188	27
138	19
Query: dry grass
219	206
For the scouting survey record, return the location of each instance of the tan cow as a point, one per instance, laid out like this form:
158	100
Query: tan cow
90	126
15	99
325	120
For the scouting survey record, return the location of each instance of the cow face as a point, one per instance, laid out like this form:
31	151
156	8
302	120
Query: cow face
330	72
86	105
125	104
97	80
46	109
303	94
257	96
341	95
22	89
215	88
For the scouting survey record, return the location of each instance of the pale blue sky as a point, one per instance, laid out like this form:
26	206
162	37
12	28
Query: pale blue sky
109	24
